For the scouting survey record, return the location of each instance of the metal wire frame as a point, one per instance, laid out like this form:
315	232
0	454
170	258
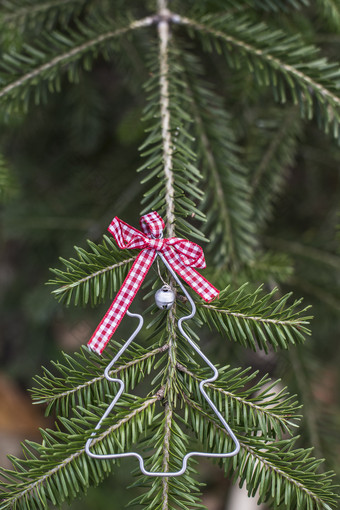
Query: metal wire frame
201	387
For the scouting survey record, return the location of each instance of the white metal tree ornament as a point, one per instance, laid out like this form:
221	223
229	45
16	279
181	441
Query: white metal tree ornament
182	261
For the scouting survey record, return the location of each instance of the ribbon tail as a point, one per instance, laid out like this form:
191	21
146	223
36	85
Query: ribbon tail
197	282
122	301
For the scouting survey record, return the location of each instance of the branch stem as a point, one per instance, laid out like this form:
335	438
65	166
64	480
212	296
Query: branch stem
164	34
69	286
289	322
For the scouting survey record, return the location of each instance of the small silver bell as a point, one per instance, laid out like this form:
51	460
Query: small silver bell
165	297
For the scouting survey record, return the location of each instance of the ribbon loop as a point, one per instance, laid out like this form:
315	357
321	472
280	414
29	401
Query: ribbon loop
191	253
181	254
152	224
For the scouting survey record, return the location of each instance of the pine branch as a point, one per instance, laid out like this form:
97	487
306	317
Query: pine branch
176	191
242	5
282	475
58	469
80	379
94	276
38	69
256	321
163	34
284	62
24	15
250	406
330	10
270	156
230	224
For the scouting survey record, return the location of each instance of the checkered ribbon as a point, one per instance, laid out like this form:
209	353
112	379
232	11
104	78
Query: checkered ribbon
182	255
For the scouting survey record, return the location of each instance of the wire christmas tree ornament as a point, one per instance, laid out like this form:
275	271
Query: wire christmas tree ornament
153	225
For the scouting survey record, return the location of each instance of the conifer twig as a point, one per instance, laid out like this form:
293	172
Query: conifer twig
65	57
216	179
163	33
271	150
30	488
24	11
265	55
259	457
91	276
40	397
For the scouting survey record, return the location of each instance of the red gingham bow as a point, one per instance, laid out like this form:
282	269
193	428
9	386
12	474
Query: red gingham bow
181	254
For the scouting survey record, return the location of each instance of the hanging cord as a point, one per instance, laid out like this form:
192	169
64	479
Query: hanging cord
160	274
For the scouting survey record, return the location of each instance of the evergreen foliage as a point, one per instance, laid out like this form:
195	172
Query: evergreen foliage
7	182
94	276
211	178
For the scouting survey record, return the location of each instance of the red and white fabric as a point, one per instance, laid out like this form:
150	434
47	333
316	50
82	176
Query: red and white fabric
181	254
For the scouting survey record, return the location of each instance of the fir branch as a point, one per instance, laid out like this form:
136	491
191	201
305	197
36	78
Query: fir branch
169	384
319	292
230	225
271	156
43	64
23	14
80	378
92	277
178	492
281	474
276	59
266	266
173	176
163	34
305	251
184	174
256	321
260	406
168	418
37	479
241	6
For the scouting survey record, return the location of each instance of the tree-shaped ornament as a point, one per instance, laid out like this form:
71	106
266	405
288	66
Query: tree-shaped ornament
179	256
